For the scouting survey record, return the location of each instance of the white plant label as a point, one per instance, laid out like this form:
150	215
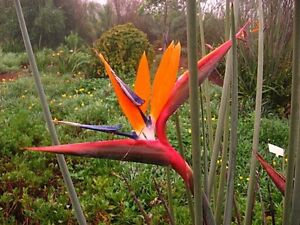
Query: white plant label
276	150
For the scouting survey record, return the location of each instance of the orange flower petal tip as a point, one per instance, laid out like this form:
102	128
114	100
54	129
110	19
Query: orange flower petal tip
142	86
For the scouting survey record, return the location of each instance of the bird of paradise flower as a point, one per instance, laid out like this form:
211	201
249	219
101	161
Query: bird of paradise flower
148	142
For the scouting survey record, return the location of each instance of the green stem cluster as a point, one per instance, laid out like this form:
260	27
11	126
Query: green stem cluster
234	125
194	105
47	115
258	104
292	202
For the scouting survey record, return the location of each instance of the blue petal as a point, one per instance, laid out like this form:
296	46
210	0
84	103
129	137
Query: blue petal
135	99
103	128
114	129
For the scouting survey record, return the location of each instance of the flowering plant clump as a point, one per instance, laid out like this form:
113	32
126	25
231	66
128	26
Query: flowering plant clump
147	143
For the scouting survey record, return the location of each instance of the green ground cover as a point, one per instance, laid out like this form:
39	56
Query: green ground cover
31	186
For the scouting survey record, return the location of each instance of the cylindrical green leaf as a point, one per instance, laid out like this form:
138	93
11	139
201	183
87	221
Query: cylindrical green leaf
294	141
258	103
60	158
234	125
194	105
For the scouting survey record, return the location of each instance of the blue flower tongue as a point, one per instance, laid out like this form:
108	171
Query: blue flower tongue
135	99
114	129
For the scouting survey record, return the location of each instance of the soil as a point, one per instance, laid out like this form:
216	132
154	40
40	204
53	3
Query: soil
9	76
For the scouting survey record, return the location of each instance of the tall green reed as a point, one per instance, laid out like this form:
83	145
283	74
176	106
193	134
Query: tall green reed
194	106
292	201
207	103
234	124
258	105
47	114
221	118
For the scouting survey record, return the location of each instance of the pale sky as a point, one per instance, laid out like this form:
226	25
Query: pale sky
100	1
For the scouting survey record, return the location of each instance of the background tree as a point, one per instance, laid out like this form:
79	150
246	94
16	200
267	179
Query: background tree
45	32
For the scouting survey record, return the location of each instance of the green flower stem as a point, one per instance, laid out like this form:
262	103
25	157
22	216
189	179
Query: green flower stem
203	137
190	203
178	133
220	123
60	158
207	107
194	106
234	124
205	83
180	148
258	103
222	177
294	148
170	196
227	20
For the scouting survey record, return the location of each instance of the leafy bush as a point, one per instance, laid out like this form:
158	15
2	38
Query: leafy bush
73	41
44	59
12	61
123	46
277	78
68	60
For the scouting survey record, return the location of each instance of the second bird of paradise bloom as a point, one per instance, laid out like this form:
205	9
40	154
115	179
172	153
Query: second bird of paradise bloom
148	142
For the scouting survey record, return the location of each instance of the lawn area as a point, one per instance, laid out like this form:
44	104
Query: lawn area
31	186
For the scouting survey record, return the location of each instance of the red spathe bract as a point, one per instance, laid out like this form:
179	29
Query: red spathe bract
277	178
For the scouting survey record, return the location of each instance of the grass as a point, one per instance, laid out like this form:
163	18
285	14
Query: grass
31	188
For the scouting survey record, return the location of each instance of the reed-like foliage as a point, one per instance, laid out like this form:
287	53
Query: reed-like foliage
234	124
293	202
258	105
221	118
47	115
222	177
194	105
207	103
180	149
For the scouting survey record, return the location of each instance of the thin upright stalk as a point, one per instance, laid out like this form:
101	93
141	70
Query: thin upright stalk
227	20
220	123
206	84
207	107
194	106
295	120
47	115
178	133
258	103
180	149
222	176
263	209
170	196
234	124
203	137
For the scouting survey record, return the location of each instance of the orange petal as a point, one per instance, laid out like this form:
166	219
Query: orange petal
130	110
165	78
142	83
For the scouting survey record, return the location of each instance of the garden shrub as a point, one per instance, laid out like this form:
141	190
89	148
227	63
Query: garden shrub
74	41
123	46
66	60
277	79
12	61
